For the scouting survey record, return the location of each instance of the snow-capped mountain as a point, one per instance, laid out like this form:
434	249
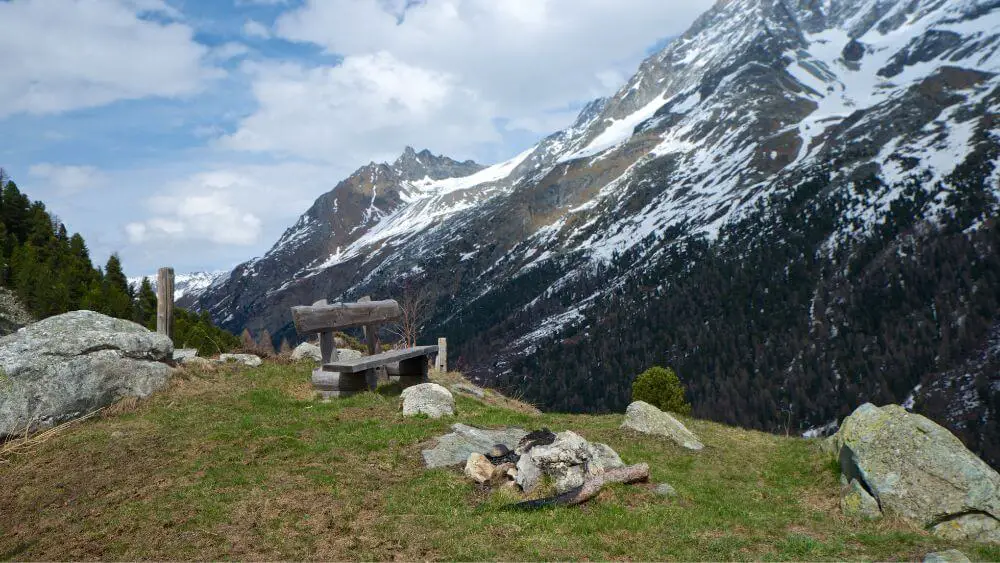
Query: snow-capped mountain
736	210
187	287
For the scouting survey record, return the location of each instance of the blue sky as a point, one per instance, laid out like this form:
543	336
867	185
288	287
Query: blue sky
191	133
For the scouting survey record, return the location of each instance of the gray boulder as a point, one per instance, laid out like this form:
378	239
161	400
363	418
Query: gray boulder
250	360
345	354
567	462
306	350
455	447
69	365
647	419
920	471
310	351
428	398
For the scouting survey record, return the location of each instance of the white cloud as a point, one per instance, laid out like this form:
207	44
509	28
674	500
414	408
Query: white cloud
253	28
368	105
60	56
66	180
441	73
229	51
227	205
525	55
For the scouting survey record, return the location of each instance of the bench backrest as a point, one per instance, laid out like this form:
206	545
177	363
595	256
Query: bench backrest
324	318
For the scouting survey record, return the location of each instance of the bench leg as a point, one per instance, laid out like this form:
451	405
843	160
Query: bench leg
408	372
335	384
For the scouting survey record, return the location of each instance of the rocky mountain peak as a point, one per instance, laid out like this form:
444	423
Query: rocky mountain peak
413	165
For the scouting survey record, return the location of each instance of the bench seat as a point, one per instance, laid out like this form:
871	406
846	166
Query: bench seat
368	362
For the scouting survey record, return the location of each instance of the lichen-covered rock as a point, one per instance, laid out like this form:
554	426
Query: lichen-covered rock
306	350
857	503
345	354
644	417
946	556
454	448
249	360
567	461
428	398
478	468
69	365
918	470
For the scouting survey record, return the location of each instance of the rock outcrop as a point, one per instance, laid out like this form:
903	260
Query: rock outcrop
644	417
918	470
430	399
566	462
454	448
69	365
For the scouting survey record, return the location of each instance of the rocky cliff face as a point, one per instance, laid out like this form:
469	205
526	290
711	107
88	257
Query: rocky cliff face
731	211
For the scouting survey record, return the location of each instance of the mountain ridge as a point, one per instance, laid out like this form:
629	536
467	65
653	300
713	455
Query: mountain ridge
807	135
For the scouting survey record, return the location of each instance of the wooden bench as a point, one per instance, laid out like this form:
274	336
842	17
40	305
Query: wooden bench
335	378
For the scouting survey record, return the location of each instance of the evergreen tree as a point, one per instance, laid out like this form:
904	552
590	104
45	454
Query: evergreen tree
145	305
661	388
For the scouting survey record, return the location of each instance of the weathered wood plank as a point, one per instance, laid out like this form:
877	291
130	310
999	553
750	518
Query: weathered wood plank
369	362
371	332
327	348
441	363
165	302
320	318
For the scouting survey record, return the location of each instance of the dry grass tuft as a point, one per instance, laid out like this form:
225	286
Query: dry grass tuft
121	406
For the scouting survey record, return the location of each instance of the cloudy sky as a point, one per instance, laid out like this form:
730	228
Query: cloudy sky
191	133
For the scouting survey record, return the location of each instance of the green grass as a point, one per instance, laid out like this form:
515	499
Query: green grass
245	464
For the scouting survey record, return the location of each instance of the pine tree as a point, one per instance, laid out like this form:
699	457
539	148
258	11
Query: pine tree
116	295
145	305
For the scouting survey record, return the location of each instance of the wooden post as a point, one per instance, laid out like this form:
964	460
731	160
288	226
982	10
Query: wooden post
165	302
371	332
441	363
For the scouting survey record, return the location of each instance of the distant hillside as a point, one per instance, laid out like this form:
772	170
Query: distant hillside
794	204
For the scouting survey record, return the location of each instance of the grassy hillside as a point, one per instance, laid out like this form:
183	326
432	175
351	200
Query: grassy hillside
245	464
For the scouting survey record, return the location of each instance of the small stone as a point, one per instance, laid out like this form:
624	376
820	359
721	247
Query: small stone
194	361
664	489
498	450
117	434
947	556
478	468
512	473
428	398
